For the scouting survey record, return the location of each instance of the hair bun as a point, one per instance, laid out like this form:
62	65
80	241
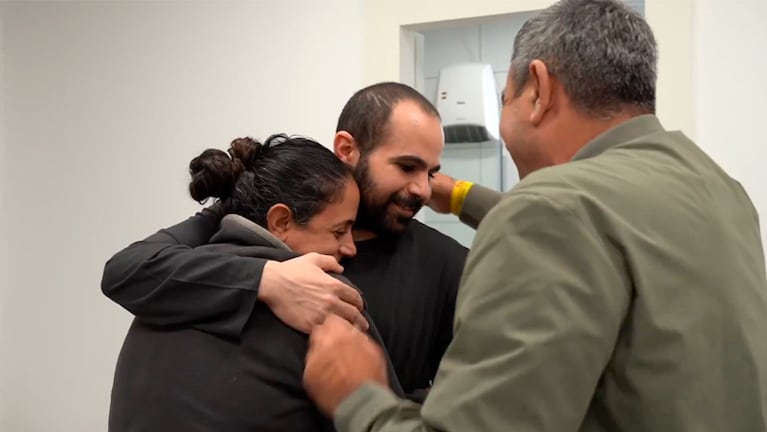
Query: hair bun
244	152
213	175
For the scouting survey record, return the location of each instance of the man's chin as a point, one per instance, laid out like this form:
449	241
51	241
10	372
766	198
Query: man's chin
393	223
396	225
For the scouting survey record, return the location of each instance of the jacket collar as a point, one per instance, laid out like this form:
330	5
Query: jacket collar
627	131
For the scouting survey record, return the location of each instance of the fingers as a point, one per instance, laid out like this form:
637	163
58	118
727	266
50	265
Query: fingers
341	290
337	331
442	187
352	315
348	294
331	327
325	262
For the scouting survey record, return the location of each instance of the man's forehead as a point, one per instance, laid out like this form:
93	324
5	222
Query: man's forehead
412	131
417	142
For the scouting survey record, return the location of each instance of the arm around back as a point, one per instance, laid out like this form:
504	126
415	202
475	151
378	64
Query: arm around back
469	201
165	281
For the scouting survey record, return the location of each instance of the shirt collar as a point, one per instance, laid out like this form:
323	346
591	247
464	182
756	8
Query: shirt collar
626	131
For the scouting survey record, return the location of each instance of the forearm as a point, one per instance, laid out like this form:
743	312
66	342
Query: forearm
478	202
163	280
172	285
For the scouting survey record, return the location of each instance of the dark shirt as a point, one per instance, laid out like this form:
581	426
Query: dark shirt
410	284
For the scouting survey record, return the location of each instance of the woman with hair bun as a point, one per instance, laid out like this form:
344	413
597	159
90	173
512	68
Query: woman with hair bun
284	197
294	187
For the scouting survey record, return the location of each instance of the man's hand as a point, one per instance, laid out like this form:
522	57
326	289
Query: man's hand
441	190
302	295
340	359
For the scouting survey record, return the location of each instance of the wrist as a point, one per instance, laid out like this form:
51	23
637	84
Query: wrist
267	282
458	195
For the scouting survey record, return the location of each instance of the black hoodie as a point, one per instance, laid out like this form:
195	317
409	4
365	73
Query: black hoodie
178	378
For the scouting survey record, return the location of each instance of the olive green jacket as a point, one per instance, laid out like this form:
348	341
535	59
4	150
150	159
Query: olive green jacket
622	291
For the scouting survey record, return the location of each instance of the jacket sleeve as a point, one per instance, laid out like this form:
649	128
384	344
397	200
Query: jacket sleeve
479	201
165	281
538	314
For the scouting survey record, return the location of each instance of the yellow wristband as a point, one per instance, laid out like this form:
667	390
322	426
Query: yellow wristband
460	190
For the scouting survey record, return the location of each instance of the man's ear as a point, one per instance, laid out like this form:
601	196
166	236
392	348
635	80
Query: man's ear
543	91
345	148
279	220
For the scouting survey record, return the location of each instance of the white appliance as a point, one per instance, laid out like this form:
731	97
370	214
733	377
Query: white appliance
467	101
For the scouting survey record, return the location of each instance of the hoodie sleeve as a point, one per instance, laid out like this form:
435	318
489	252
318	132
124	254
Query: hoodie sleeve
165	281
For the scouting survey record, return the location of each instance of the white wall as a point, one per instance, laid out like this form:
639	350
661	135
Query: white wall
4	206
730	91
671	22
106	103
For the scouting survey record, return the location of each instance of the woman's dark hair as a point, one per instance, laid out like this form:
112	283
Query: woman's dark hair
254	176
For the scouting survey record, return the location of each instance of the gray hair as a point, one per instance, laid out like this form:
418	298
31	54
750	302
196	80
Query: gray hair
602	52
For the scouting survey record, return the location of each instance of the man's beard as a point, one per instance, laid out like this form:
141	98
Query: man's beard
374	213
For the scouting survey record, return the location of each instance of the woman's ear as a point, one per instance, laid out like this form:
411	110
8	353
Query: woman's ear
279	221
345	148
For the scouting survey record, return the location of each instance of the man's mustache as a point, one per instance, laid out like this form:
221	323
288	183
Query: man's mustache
410	202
